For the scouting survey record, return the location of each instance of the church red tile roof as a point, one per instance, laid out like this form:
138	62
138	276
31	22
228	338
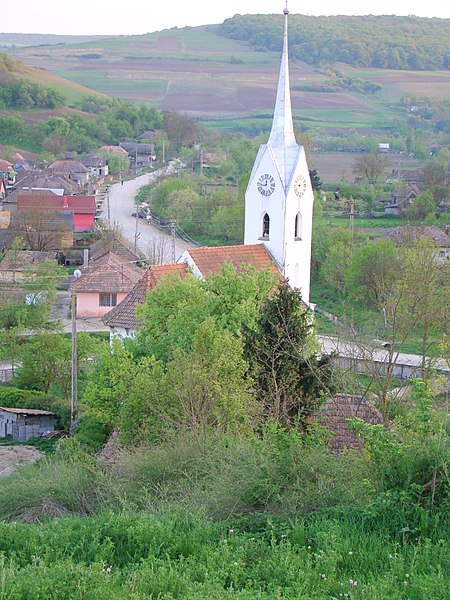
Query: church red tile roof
124	314
210	260
110	274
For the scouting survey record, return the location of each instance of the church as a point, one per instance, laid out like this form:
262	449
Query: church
278	216
279	198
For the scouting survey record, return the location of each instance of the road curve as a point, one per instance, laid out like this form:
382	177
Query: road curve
121	206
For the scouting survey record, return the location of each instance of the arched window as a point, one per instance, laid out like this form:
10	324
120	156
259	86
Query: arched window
266	226
298	226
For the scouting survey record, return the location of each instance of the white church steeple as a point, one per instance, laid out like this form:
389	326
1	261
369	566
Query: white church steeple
279	197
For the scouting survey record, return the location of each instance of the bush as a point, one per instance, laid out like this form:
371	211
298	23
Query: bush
69	482
92	432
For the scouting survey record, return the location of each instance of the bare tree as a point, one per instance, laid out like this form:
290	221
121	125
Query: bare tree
43	229
159	251
370	166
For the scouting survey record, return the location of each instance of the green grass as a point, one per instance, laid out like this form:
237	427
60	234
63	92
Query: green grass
179	555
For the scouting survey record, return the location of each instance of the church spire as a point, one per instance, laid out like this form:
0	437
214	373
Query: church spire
282	133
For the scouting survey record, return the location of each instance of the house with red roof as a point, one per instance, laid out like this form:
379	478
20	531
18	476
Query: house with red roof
83	207
122	319
104	284
204	262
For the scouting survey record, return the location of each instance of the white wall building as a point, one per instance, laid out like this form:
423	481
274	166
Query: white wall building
279	197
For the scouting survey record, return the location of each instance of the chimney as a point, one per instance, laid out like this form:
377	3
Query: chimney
85	257
65	202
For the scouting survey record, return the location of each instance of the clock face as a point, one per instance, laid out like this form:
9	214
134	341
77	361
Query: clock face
300	186
266	184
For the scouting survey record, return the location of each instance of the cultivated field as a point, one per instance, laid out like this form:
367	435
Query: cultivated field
198	72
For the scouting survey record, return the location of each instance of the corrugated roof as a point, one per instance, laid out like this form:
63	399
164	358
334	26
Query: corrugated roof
210	260
124	314
28	411
110	274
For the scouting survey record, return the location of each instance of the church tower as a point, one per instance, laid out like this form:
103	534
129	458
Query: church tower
279	197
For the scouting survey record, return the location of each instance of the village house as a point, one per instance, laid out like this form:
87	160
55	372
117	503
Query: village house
104	284
74	170
15	264
24	423
96	165
122	319
141	155
114	150
400	201
44	180
82	207
7	173
407	235
204	262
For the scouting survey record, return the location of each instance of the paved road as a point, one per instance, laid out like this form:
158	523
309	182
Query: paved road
121	205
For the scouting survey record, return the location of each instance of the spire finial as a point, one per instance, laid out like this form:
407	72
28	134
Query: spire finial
282	133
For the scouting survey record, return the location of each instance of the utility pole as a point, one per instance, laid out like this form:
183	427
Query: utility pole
173	230
136	234
74	396
352	219
107	201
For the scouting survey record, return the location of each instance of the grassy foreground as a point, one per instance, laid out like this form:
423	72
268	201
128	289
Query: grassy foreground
226	517
342	555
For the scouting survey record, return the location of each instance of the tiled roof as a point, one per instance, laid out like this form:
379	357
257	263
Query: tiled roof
334	414
97	249
124	314
68	166
408	234
79	204
114	150
109	275
210	260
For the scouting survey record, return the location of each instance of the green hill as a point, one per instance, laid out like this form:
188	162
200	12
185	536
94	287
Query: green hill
231	83
13	71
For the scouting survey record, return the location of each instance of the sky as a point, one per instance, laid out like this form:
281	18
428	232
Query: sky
127	17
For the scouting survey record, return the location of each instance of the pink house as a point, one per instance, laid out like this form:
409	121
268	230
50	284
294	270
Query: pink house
104	284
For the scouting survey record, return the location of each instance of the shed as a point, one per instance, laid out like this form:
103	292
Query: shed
25	423
333	416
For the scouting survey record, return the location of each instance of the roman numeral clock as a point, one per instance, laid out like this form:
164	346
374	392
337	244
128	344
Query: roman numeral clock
266	184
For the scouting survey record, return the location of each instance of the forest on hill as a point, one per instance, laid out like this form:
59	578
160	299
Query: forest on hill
388	42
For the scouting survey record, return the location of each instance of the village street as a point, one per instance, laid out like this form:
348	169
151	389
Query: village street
121	207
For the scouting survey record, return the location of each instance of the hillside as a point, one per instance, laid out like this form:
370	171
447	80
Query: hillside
18	40
390	42
14	71
202	73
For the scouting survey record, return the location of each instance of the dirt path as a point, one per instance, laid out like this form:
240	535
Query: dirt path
12	457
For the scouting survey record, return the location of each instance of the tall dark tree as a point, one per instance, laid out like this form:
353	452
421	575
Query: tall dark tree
284	357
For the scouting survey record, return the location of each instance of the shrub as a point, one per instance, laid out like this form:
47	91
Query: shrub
92	432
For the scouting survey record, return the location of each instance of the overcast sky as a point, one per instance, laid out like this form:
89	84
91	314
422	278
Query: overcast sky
142	16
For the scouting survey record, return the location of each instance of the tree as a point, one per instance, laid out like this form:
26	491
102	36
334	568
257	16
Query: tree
116	162
283	355
370	166
47	360
422	205
211	383
372	271
42	229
